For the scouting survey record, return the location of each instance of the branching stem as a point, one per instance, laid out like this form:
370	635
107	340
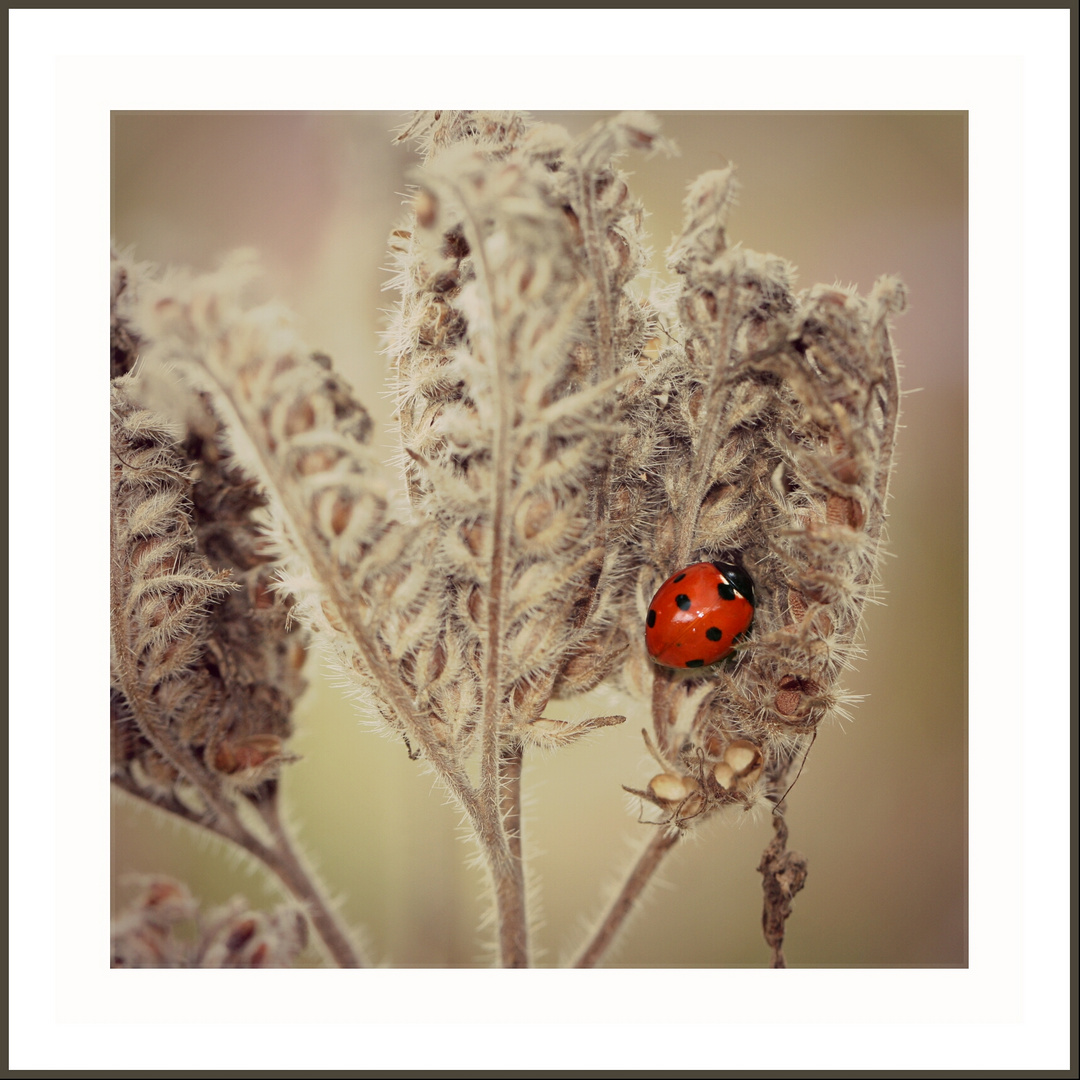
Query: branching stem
487	810
300	880
279	857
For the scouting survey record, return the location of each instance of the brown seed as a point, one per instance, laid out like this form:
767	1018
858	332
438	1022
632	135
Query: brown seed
316	461
475	604
697	399
787	702
796	605
284	363
533	515
790	695
575	225
473	535
437	662
300	418
840	511
240	935
340	515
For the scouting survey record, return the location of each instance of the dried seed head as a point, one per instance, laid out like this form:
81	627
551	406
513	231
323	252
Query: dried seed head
163	588
253	939
778	422
206	663
154	931
508	343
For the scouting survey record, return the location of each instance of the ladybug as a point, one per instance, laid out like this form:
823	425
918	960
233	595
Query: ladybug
697	615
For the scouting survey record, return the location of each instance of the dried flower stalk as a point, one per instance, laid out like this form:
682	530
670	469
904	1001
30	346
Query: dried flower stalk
557	470
206	664
780	427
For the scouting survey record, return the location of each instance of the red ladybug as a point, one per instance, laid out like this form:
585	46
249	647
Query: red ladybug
697	615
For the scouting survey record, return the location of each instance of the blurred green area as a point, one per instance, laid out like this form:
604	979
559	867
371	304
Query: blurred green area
881	807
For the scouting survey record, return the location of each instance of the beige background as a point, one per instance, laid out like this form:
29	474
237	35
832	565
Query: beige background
881	808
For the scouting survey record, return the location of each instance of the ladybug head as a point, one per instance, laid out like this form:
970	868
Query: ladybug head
739	578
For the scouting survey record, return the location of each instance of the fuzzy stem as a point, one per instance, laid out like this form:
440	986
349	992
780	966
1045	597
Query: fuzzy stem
662	710
508	881
305	887
486	811
510	763
500	457
503	851
640	875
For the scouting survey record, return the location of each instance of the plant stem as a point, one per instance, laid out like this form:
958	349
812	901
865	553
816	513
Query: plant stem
640	876
487	807
662	708
508	882
501	842
511	758
501	480
283	859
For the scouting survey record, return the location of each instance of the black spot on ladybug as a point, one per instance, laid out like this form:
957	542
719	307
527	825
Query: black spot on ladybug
676	580
650	620
726	590
695	663
714	633
682	602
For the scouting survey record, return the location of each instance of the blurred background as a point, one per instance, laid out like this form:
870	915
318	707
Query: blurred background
881	807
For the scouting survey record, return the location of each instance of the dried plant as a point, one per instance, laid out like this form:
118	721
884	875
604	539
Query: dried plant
162	927
567	445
